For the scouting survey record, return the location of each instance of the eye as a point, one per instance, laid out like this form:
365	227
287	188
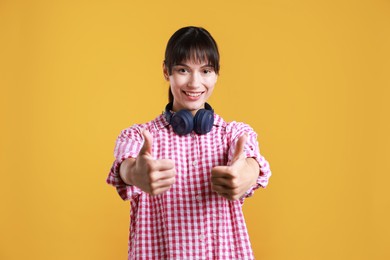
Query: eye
207	71
182	70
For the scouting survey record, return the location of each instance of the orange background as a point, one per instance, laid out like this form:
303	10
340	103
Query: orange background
312	78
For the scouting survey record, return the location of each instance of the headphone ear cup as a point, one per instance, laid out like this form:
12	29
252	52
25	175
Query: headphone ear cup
203	121
182	122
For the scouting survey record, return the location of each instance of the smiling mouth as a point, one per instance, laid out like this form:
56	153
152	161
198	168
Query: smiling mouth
193	94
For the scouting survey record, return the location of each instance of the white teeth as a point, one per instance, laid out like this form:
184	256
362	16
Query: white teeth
193	94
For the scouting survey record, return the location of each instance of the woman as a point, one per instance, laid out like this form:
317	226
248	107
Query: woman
187	172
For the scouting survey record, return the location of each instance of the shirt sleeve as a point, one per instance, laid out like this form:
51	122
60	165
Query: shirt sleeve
128	145
251	150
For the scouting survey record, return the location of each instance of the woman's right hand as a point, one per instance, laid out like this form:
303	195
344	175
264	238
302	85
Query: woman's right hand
151	176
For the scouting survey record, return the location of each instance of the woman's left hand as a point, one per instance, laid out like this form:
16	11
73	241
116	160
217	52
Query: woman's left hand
233	181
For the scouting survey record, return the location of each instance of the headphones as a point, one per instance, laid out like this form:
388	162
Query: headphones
183	122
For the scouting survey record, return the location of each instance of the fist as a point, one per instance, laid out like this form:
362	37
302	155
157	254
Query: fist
151	176
233	181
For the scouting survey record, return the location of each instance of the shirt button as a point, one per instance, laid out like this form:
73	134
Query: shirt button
201	237
198	197
195	163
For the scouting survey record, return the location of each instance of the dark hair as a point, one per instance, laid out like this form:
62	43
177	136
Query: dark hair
191	43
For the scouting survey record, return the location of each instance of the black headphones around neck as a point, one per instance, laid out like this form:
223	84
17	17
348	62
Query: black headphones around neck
183	122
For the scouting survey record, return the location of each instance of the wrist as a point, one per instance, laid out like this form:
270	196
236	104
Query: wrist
126	169
254	170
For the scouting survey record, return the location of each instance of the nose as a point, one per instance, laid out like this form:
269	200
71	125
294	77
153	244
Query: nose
195	80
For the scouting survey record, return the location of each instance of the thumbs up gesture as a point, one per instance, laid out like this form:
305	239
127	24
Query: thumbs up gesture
151	176
233	181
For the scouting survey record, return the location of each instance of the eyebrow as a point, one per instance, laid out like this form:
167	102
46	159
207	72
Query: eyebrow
185	65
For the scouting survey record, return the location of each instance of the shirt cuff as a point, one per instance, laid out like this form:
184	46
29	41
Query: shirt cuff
262	179
126	192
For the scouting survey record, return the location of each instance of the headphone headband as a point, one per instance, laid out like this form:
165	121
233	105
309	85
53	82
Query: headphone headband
169	108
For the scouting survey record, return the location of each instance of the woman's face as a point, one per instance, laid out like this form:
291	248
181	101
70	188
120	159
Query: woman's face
192	83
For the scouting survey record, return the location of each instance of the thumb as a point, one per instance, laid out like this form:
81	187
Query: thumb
148	143
239	151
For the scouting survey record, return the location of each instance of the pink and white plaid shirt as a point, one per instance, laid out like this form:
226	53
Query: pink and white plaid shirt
189	221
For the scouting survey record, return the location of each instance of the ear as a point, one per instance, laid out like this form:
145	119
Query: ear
165	71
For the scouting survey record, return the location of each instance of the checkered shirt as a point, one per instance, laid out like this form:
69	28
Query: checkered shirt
189	221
